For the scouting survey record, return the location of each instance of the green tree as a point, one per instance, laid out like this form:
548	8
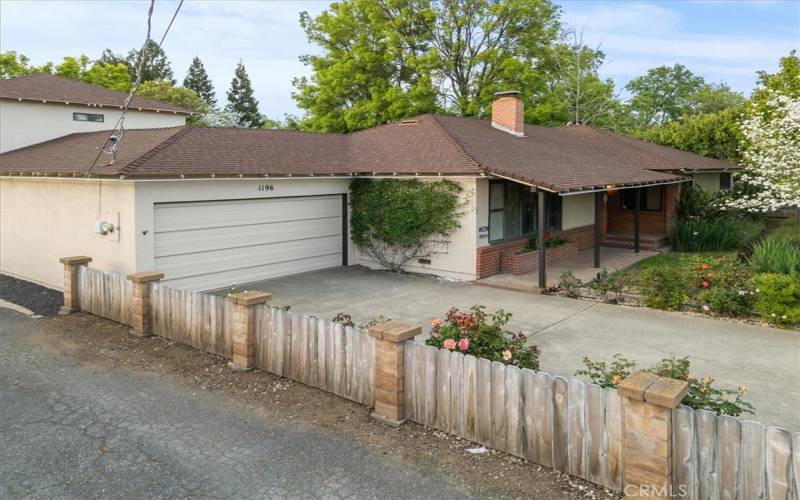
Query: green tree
375	65
663	94
785	82
73	67
197	79
576	94
241	99
14	64
156	65
110	76
180	96
716	135
110	57
389	59
715	97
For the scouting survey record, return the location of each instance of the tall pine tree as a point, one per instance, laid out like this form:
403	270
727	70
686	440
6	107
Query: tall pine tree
197	80
156	65
241	99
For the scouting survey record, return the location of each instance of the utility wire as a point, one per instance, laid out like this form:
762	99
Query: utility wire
114	139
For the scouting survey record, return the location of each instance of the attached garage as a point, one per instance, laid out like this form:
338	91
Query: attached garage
212	244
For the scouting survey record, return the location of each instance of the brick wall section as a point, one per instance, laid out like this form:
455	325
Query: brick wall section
507	113
488	261
71	265
527	262
390	338
622	221
140	302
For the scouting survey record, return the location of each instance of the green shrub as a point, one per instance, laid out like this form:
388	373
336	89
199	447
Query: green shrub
695	202
775	255
483	336
608	283
706	234
778	298
788	230
551	242
570	284
702	394
663	288
728	301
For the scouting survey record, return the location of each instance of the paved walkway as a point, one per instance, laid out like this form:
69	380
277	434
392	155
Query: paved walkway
72	431
766	360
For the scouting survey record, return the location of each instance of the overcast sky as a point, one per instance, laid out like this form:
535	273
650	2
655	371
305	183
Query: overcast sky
720	40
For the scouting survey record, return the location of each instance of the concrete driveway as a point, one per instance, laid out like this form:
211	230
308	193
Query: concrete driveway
766	360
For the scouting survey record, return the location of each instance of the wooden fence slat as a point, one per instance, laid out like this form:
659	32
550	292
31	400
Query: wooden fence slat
369	367
421	359
484	399
730	444
409	382
352	357
543	419
296	370
443	390
594	419
304	341
512	411
684	461
430	385
796	464
528	419
576	429
612	439
779	463
330	351
470	397
322	354
707	476
456	393
753	462
338	359
498	404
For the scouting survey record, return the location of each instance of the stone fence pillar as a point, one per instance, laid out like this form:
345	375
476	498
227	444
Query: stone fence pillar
647	403
390	339
243	335
71	265
140	306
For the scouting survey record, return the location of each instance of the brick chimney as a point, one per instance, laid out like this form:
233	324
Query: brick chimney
507	112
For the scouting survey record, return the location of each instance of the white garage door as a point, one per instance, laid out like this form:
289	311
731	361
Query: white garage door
213	244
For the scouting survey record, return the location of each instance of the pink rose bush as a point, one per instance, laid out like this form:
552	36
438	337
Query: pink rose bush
484	336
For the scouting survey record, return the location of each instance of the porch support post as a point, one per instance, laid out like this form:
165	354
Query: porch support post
636	213
540	239
598	208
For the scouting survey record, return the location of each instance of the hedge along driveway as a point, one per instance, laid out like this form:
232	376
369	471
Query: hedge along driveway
766	360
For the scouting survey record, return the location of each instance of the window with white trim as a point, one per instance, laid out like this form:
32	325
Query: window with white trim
88	117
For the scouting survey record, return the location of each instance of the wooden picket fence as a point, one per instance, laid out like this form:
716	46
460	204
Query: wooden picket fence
577	428
105	294
568	425
564	424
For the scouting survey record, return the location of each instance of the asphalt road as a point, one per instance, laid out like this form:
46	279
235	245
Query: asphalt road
68	430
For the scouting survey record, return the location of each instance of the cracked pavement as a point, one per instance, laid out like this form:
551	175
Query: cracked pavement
68	430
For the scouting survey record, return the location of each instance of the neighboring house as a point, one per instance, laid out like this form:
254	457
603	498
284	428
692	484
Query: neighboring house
41	107
213	206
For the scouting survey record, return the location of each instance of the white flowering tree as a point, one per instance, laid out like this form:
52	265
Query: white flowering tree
222	117
771	156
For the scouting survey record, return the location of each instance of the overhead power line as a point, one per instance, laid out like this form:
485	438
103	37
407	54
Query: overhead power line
114	138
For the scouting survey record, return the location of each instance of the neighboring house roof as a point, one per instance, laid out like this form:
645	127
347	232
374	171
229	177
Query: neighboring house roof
562	159
49	88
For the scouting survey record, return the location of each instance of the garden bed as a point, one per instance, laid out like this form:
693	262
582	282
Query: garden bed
526	260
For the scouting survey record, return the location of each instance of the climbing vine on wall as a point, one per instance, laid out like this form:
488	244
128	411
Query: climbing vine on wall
395	221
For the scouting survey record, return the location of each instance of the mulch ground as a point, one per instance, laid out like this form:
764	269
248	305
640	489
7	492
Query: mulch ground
41	300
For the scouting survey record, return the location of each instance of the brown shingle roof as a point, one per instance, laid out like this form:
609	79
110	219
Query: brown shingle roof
50	88
564	159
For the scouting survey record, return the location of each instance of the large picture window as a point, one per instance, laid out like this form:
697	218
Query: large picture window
651	199
513	211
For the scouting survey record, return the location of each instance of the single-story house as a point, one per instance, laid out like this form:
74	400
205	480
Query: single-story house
214	206
37	108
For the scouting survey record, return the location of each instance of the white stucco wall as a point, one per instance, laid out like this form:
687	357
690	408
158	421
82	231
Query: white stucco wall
23	123
456	259
709	181
42	220
577	210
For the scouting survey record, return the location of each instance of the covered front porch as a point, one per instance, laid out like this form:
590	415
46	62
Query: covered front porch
612	227
581	265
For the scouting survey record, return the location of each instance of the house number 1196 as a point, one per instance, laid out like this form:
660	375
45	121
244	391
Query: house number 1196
266	187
